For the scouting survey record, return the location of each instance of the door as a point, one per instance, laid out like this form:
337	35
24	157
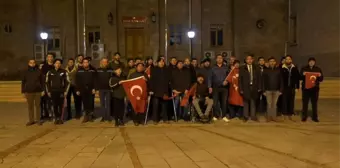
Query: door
134	42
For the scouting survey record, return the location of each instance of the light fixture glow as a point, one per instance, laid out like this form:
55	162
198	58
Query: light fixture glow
43	35
191	34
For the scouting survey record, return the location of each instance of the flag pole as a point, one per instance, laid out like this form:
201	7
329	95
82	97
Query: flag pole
147	110
173	103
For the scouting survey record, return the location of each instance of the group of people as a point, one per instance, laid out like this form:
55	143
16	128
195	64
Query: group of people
224	90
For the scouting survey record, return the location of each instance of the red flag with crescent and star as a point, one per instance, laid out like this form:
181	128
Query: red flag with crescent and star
148	71
235	97
186	97
310	78
136	90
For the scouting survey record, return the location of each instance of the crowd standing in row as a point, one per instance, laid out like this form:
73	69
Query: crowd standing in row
228	89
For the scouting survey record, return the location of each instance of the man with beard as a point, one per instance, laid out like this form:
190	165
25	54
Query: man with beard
249	87
57	85
46	102
261	100
218	87
180	84
191	69
132	70
205	70
194	63
85	87
311	92
71	69
102	87
79	60
140	71
32	85
159	88
115	62
291	84
130	65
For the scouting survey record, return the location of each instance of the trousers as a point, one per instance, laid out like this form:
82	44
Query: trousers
58	103
272	97
77	102
105	103
312	95
33	100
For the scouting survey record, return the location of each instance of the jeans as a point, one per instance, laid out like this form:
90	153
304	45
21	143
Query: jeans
33	100
288	98
58	104
180	111
272	97
46	107
77	102
105	104
220	101
235	111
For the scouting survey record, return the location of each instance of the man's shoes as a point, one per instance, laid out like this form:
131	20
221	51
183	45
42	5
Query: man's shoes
245	119
255	119
30	123
116	124
225	119
86	119
166	122
155	123
136	123
40	122
214	119
121	123
56	122
304	119
102	120
61	122
315	120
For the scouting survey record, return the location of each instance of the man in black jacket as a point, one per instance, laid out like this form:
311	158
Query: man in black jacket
32	85
205	70
159	88
46	102
272	87
57	85
261	100
311	93
116	62
291	83
249	87
85	85
103	76
180	85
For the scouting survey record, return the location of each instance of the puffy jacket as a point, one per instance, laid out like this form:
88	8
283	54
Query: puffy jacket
32	81
85	80
291	76
272	79
57	81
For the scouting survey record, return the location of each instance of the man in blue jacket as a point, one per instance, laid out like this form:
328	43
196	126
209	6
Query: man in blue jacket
218	87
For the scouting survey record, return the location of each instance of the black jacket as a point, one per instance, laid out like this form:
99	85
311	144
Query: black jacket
102	78
244	82
117	89
205	72
217	75
85	80
136	75
290	76
272	79
46	67
32	81
57	81
202	91
313	69
192	73
181	79
159	81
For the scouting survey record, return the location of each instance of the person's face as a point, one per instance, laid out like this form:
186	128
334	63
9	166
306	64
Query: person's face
261	61
116	57
272	63
173	61
131	63
232	59
86	63
266	64
49	58
70	63
150	61
194	63
200	80
31	63
80	59
57	64
311	63
138	61
237	65
104	62
219	60
118	71
180	65
206	64
140	68
187	61
283	61
288	60
161	64
249	60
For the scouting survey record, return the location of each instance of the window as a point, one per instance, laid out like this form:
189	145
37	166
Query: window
93	35
293	30
175	34
216	35
8	28
53	40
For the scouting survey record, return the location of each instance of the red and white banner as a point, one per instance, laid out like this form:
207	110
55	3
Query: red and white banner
235	97
136	90
310	79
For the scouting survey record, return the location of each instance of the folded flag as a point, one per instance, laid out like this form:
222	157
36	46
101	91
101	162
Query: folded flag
186	97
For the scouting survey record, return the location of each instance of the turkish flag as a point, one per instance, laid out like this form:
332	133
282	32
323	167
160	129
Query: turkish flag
235	97
186	97
136	91
310	78
148	71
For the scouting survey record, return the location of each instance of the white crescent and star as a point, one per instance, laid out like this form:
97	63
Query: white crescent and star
136	87
312	77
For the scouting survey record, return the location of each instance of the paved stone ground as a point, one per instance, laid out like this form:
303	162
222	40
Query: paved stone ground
178	145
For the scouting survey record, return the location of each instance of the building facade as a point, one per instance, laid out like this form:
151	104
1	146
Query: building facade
142	28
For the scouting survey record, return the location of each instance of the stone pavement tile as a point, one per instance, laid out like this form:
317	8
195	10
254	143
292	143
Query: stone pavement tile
126	162
200	155
181	162
333	164
210	164
82	160
152	160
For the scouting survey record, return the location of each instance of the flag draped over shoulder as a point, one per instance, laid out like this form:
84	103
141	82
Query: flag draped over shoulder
148	71
186	97
310	78
136	90
235	97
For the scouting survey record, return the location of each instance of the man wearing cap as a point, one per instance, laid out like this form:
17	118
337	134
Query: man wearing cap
85	86
57	86
311	92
